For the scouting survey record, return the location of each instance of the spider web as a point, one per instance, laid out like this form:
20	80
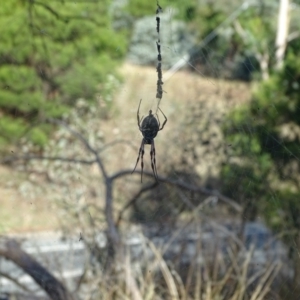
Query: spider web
192	150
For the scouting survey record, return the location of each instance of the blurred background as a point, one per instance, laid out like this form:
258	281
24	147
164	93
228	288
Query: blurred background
223	220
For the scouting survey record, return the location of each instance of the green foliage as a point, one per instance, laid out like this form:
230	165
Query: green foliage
141	8
11	128
51	54
38	136
224	52
184	10
264	163
207	18
282	210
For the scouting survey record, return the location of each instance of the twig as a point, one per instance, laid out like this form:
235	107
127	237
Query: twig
84	141
134	199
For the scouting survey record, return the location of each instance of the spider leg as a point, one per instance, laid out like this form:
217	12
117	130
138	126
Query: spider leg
158	120
141	154
153	160
141	123
165	121
138	114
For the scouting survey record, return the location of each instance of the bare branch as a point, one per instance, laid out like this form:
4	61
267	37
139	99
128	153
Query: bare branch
112	234
185	186
84	141
112	230
11	250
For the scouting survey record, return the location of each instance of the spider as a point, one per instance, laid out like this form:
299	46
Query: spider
149	128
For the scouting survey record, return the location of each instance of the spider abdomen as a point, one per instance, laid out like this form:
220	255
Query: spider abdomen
149	128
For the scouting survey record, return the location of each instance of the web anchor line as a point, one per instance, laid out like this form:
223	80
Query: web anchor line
159	84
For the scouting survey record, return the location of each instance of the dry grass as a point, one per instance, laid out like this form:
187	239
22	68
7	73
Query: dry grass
228	277
180	266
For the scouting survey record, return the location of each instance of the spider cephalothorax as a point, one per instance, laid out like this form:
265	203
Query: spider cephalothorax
149	128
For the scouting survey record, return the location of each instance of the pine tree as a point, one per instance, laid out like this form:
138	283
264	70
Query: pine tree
51	54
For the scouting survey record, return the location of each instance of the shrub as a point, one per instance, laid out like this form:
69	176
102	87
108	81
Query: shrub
51	55
263	168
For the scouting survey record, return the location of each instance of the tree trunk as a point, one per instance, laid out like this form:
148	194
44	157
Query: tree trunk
114	241
282	32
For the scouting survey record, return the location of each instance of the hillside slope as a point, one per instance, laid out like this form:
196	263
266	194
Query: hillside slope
185	94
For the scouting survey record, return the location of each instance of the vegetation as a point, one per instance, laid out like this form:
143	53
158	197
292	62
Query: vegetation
263	169
51	55
54	54
183	10
150	273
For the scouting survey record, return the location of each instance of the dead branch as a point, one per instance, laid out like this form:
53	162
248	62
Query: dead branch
112	231
134	199
185	186
84	141
11	250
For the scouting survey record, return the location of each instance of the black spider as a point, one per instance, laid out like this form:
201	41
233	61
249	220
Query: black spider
149	128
